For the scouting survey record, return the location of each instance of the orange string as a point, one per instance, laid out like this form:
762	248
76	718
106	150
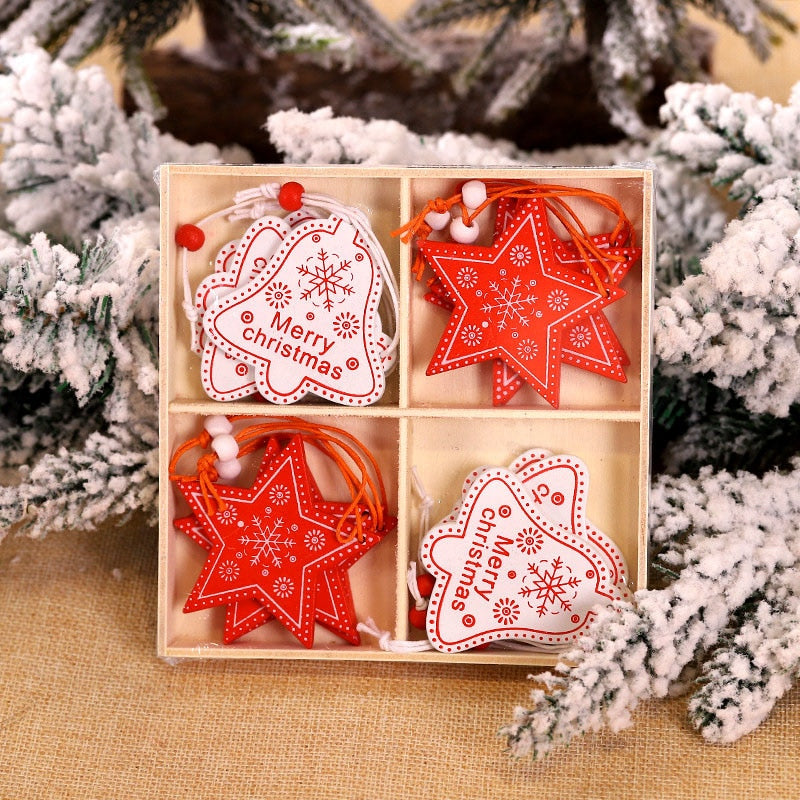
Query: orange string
355	463
363	488
554	196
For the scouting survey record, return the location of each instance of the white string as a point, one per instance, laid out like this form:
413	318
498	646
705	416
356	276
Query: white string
523	646
260	200
256	202
360	222
425	502
389	645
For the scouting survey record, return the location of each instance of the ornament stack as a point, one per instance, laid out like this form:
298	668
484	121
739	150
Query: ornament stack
517	559
277	549
321	281
529	302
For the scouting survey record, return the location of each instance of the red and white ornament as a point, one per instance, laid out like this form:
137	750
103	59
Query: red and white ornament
315	321
275	549
518	560
529	301
308	322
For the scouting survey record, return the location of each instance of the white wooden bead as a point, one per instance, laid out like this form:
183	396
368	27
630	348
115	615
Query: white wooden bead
225	446
228	470
217	425
438	220
473	193
462	233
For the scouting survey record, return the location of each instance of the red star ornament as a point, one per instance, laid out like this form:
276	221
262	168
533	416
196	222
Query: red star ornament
512	301
272	542
591	344
334	599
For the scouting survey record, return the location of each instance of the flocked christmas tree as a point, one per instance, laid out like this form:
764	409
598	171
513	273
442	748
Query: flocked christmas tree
626	41
237	30
78	261
78	296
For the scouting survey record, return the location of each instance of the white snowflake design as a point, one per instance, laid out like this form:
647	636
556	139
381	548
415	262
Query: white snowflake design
580	336
279	494
520	255
529	541
346	325
269	540
314	540
509	303
283	586
278	295
557	300
506	611
553	586
471	335
528	349
228	570
228	516
467	277
329	279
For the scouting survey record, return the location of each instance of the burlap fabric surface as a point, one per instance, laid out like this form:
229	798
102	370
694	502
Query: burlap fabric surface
87	710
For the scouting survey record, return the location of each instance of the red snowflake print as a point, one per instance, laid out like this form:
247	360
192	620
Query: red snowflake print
529	541
329	279
509	302
506	611
278	295
553	585
346	325
267	539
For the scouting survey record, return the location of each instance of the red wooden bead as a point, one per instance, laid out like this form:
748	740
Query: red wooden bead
416	617
425	584
290	196
190	236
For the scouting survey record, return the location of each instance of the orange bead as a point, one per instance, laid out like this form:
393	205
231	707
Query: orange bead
416	617
425	584
290	196
190	236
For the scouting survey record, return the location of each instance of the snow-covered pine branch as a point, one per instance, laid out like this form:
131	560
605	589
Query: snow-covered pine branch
626	42
112	475
738	319
730	533
754	665
76	316
72	158
733	138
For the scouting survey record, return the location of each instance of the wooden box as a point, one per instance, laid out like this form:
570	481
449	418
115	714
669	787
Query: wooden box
444	425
